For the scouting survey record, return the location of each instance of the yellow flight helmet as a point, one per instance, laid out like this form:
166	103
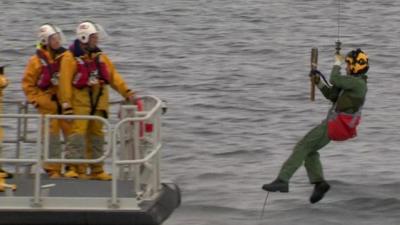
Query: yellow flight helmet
358	61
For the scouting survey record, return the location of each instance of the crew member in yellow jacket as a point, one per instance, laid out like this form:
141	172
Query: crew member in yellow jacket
3	173
85	76
40	84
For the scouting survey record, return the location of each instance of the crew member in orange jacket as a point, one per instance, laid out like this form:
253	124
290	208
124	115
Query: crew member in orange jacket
3	85
3	174
40	84
85	75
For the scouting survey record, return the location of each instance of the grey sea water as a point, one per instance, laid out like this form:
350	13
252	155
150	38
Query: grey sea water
234	73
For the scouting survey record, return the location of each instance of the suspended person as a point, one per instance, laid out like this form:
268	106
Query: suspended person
347	93
40	85
85	76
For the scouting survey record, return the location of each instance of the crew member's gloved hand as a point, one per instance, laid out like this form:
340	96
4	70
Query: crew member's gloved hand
131	99
67	109
339	60
35	104
316	78
130	96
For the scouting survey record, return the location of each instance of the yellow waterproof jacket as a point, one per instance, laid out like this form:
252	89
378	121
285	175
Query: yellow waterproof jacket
3	84
81	98
35	95
1	111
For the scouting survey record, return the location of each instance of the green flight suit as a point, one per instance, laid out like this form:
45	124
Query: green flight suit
348	92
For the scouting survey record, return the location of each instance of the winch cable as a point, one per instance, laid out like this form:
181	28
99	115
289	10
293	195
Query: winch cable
338	43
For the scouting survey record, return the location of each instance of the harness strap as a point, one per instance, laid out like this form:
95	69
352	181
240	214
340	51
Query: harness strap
322	76
59	107
99	76
44	60
332	112
95	103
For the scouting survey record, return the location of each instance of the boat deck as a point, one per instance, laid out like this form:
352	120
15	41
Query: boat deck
66	187
84	202
136	195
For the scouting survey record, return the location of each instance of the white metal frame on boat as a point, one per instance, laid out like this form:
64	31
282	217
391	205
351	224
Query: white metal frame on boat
143	170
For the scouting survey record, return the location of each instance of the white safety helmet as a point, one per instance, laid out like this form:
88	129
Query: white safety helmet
85	29
45	32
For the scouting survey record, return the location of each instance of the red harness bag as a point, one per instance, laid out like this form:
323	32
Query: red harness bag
343	126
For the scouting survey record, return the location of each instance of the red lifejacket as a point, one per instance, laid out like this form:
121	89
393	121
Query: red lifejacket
50	72
90	72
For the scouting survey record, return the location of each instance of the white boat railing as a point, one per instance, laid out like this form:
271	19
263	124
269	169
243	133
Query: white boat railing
133	144
146	144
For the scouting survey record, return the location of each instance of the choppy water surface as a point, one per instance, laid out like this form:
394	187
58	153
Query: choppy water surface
234	73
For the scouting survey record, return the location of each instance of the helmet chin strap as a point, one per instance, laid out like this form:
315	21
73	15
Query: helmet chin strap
90	49
58	50
86	47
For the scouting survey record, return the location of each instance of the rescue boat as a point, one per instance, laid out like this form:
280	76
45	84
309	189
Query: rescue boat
135	195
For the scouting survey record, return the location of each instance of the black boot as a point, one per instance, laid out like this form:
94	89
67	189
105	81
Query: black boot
277	185
320	189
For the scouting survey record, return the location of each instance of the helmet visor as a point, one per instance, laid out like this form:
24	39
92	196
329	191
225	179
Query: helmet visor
102	34
59	34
